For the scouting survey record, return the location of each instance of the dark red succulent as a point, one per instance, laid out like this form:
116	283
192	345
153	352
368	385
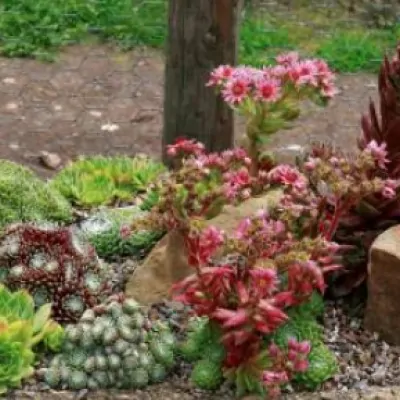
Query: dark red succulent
54	266
374	213
387	129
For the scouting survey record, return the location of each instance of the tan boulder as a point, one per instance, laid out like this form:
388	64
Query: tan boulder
167	262
383	307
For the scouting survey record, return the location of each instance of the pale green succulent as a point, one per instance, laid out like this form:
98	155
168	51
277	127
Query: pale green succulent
114	345
103	231
202	341
25	197
21	328
96	181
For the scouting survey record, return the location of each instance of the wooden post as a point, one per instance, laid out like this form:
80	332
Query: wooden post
203	34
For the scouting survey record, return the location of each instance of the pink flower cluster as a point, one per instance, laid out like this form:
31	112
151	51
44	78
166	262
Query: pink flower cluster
185	147
270	83
285	364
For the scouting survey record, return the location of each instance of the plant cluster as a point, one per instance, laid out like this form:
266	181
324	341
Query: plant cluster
21	330
375	212
99	181
269	97
54	266
202	185
24	197
103	232
114	345
275	261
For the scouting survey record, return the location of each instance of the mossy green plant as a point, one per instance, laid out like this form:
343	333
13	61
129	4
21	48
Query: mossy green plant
207	375
203	347
103	181
298	328
24	197
311	309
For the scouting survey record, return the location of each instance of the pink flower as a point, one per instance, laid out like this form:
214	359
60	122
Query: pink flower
211	237
300	365
125	232
329	90
392	183
188	146
236	183
264	281
292	343
243	228
271	377
311	163
388	192
220	75
304	347
277	71
304	277
378	152
273	350
235	91
267	90
287	58
308	73
202	246
322	68
288	175
292	355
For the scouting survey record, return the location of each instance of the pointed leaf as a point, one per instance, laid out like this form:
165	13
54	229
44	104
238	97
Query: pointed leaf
42	316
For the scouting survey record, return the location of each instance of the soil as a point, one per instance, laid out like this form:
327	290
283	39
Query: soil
169	391
97	100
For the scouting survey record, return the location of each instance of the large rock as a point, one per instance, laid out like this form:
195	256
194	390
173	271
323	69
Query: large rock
167	262
383	307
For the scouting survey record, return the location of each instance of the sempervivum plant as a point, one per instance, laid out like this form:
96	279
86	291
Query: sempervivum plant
269	97
97	181
105	232
114	345
375	212
21	329
54	267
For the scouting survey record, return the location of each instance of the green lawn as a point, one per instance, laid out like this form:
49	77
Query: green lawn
39	28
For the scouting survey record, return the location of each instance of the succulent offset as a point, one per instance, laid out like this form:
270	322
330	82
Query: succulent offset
202	346
103	231
54	266
98	180
24	197
114	345
21	328
323	365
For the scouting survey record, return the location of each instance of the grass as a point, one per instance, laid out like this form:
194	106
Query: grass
39	28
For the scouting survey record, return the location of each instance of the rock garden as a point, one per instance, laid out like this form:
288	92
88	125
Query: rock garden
228	275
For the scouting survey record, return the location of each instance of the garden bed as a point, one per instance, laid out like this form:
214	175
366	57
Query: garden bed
257	278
